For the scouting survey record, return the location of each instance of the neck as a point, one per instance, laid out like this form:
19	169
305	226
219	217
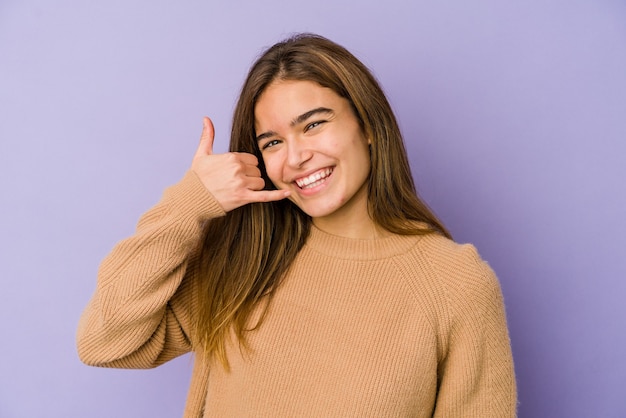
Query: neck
352	220
356	227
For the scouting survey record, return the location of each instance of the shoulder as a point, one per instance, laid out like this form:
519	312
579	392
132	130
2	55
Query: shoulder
454	272
456	265
468	286
454	286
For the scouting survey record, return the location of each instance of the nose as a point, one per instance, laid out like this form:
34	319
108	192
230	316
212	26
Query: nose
298	152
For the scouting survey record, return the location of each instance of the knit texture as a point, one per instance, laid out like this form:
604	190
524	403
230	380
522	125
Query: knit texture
405	326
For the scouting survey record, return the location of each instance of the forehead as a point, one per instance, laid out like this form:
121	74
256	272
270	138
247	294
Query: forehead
284	100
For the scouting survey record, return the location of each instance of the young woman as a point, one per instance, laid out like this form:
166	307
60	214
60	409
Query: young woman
302	269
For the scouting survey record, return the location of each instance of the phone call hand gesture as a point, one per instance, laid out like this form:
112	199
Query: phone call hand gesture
233	178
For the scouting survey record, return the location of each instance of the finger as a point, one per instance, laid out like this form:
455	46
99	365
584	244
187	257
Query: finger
268	195
206	139
247	158
252	171
254	183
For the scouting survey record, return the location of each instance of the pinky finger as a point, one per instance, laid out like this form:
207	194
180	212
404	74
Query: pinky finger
269	195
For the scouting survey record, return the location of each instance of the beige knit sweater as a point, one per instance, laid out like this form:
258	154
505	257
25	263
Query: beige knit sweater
404	326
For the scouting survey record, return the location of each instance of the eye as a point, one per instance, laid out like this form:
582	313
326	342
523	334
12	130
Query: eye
313	125
270	144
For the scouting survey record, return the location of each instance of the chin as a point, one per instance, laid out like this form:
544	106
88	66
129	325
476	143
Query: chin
313	213
316	212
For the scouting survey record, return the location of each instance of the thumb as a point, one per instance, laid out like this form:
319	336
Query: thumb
206	139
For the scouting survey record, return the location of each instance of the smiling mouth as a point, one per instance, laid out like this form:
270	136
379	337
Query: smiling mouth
314	179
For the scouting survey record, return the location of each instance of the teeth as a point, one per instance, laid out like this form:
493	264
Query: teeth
314	179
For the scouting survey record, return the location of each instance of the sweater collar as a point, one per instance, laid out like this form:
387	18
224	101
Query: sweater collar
359	249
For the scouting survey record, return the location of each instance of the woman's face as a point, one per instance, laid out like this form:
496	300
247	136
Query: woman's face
312	145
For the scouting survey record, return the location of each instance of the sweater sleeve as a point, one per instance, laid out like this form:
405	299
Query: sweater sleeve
476	377
140	314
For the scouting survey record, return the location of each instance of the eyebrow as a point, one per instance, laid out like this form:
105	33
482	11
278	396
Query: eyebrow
297	120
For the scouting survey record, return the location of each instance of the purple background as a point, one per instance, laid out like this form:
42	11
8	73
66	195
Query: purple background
515	119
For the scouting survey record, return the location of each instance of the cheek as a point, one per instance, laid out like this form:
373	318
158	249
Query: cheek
361	152
272	168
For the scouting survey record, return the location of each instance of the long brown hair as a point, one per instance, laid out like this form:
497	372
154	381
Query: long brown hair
247	252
